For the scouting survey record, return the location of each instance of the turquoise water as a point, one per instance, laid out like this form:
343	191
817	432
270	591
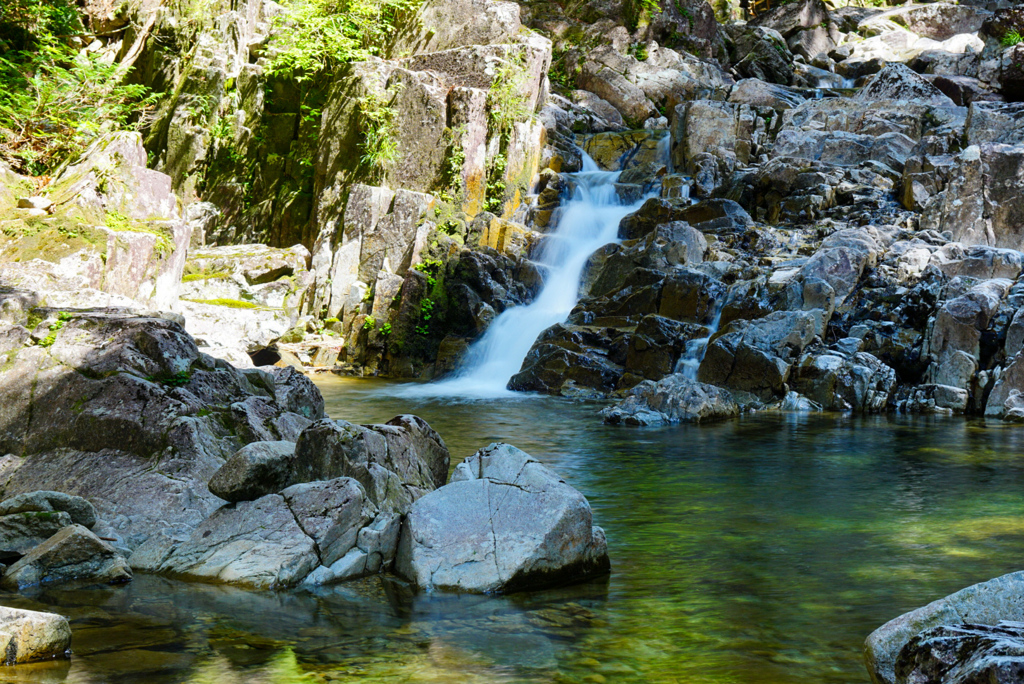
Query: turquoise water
761	550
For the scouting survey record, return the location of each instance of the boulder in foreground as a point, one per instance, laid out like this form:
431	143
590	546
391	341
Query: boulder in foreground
988	654
505	523
27	636
986	603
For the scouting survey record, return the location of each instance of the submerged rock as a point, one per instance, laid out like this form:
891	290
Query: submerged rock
673	399
74	553
505	523
27	636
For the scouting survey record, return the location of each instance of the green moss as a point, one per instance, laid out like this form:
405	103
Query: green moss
118	222
49	239
232	304
191	277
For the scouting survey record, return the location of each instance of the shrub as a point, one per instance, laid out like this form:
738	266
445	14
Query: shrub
55	100
314	35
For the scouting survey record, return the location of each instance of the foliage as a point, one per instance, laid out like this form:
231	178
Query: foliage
496	186
506	103
638	50
430	268
179	379
55	100
230	303
55	327
379	127
314	35
451	171
369	323
385	329
639	12
1012	37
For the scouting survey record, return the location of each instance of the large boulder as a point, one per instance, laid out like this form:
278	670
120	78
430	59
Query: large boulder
397	462
858	382
899	82
1006	400
339	518
673	399
74	553
27	636
993	654
756	356
317	533
955	341
728	130
505	523
22	532
258	544
986	603
979	204
255	470
126	412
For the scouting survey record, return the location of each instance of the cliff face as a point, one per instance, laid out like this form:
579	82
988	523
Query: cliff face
408	182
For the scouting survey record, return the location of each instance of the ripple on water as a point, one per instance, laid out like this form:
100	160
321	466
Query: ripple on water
761	550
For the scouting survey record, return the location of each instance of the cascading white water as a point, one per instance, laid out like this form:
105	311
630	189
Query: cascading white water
689	363
589	220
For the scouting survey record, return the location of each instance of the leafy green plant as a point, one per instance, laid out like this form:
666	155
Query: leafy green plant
639	12
55	327
506	103
385	329
639	51
426	309
1012	37
55	100
430	268
369	323
378	124
496	186
179	379
314	35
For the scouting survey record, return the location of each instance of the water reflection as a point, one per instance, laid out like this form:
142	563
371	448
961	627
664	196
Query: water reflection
760	550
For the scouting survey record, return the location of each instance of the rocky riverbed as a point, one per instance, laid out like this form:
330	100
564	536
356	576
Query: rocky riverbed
822	213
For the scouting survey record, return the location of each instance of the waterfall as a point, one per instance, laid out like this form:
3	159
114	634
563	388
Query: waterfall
689	363
589	220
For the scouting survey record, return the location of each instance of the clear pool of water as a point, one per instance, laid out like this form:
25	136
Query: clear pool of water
757	551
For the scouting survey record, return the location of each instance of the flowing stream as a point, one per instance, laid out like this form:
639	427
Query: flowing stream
589	220
760	550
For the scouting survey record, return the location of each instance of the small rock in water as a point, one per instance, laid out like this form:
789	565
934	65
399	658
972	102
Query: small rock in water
27	636
673	399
